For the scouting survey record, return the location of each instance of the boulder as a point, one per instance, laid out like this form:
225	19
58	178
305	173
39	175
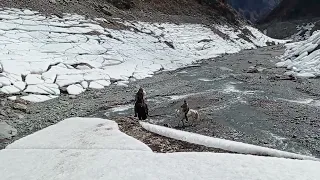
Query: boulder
19	106
6	131
252	69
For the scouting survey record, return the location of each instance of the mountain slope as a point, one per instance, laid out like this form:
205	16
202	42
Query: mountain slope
294	9
188	11
294	19
253	10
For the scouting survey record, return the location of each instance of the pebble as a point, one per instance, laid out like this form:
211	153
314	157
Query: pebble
294	136
3	103
3	113
53	1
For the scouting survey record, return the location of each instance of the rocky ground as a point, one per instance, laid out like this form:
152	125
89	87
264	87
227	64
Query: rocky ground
290	28
240	97
194	11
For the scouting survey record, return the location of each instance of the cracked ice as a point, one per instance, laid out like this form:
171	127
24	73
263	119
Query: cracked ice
40	55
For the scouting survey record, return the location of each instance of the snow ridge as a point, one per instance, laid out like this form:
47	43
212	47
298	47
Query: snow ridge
227	145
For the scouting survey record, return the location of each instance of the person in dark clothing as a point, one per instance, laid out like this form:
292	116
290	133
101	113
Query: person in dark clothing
140	99
185	109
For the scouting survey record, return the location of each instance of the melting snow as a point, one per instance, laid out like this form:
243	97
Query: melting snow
310	102
12	98
61	51
302	59
37	98
206	80
90	148
220	143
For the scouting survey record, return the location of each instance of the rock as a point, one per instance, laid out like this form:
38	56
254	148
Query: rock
167	125
3	103
132	79
72	96
294	136
252	69
20	116
122	4
53	1
170	44
8	111
20	107
106	11
84	84
3	113
21	101
6	131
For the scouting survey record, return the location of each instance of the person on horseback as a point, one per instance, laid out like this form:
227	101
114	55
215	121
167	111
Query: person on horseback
185	109
140	99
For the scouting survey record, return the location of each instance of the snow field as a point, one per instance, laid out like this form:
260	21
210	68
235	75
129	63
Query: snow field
92	148
40	55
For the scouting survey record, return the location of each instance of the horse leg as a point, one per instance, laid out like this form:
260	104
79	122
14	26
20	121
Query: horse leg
182	122
144	117
186	116
135	110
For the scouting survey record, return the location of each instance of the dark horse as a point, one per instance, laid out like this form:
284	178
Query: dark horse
141	108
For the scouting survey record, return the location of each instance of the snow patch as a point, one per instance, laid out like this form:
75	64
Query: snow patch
34	79
95	85
5	81
205	79
12	98
20	85
10	89
38	98
310	102
80	133
45	88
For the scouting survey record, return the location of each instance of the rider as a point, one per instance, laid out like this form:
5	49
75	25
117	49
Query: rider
185	109
139	98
